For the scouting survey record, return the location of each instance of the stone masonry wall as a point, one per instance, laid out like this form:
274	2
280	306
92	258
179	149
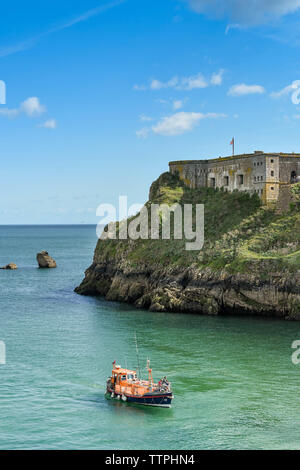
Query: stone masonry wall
255	173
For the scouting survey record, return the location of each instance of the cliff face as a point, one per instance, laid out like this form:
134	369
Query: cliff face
250	262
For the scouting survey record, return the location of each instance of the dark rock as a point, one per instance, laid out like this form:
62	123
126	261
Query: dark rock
10	266
45	261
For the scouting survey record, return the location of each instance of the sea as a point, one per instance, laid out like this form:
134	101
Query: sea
234	380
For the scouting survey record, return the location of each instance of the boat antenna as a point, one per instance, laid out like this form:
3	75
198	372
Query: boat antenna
150	377
137	353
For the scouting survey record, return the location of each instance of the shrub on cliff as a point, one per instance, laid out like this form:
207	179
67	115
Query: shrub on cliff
295	190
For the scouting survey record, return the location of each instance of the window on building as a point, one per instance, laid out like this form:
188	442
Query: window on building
272	173
241	179
226	180
272	161
261	178
272	188
293	176
212	182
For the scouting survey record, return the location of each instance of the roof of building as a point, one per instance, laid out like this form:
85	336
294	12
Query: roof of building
257	153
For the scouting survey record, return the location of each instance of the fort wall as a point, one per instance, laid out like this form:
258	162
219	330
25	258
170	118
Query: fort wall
258	173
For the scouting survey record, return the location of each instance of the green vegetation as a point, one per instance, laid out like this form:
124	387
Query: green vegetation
240	234
296	193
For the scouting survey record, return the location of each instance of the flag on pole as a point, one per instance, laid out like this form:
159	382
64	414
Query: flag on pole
232	143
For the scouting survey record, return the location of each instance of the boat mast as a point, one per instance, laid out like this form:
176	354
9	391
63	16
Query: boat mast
137	354
150	377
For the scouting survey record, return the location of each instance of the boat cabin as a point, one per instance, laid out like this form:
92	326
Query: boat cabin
126	381
122	376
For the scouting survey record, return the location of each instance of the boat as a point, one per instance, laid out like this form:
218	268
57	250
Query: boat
125	385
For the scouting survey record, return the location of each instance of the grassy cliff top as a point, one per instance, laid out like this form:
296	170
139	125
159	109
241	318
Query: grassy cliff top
240	234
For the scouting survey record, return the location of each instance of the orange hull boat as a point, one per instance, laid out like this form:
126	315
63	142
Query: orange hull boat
125	385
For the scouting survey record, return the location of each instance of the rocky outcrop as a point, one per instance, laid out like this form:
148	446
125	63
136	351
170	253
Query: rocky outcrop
45	261
10	266
194	291
249	265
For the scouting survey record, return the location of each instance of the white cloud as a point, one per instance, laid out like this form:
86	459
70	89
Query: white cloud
292	89
184	83
177	124
173	102
245	12
232	26
49	124
158	85
181	122
139	87
242	89
285	91
217	78
143	133
32	107
195	81
145	118
177	104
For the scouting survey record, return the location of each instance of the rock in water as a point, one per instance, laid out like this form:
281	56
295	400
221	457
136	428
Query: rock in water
10	266
45	261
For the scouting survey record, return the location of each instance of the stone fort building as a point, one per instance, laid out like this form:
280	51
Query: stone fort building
263	173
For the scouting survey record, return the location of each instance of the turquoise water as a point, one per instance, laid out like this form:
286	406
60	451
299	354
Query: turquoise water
234	383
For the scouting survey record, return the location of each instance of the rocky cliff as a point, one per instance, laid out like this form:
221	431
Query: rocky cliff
250	262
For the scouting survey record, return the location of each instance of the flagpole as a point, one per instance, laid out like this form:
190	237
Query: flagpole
232	143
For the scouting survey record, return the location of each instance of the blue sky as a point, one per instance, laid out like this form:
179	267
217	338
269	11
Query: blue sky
100	96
